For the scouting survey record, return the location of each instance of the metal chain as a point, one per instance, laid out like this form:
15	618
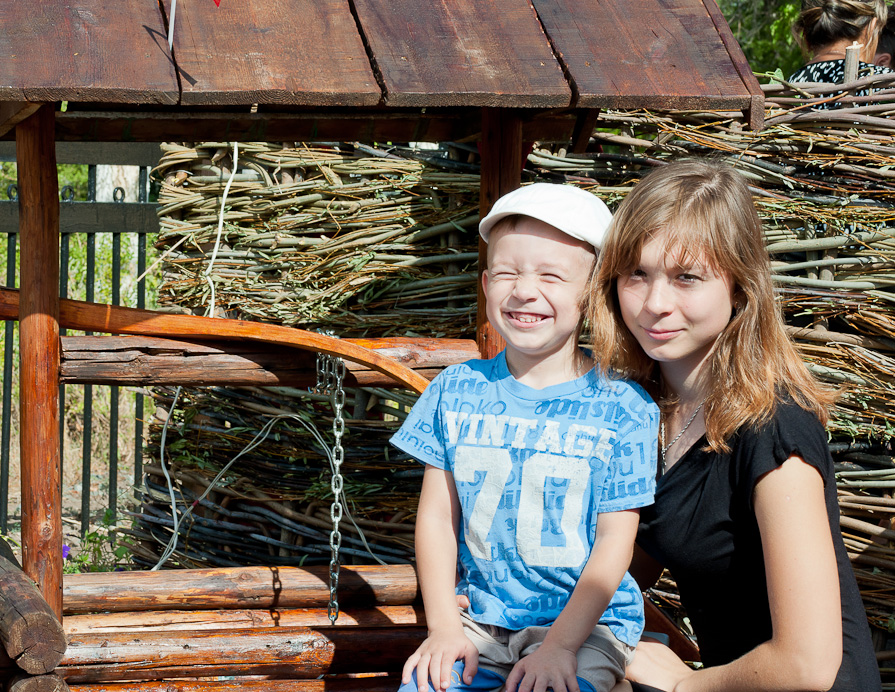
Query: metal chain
330	376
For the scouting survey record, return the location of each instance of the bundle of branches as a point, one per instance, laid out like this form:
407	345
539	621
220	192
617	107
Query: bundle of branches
824	185
329	238
272	504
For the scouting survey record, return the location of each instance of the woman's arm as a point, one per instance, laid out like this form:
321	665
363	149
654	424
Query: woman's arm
645	569
805	650
437	526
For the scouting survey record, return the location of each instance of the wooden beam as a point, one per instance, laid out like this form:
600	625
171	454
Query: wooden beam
111	319
230	618
584	128
306	125
14	112
93	217
443	54
234	54
30	632
142	361
373	683
279	651
754	112
50	682
39	355
501	173
102	153
238	587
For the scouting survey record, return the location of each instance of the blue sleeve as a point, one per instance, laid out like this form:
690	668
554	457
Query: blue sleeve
631	481
421	433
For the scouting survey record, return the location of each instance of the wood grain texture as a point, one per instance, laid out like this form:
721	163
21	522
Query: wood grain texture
143	361
502	161
330	125
462	52
292	651
29	630
237	587
37	683
371	683
755	110
298	52
643	54
39	355
190	620
106	51
14	112
94	317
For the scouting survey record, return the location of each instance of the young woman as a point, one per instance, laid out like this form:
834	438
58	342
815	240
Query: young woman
746	516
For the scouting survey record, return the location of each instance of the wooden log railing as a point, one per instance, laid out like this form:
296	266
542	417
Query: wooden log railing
111	319
146	361
166	630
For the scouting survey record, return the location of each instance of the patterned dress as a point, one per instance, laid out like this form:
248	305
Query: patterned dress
833	71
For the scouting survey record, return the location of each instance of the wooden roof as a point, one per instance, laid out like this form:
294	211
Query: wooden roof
288	55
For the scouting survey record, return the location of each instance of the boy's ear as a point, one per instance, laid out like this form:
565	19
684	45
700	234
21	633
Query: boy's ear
485	280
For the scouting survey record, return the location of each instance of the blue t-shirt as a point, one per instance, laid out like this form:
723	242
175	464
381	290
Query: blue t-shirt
533	470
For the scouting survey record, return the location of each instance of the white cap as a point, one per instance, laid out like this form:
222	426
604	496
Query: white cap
570	209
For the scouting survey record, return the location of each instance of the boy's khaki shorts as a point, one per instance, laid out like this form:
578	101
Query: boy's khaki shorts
601	659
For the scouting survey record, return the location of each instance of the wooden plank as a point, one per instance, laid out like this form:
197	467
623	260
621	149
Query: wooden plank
371	683
300	52
643	54
92	217
112	319
29	630
108	153
462	53
108	51
502	162
39	356
143	361
238	587
332	125
281	651
755	112
194	620
14	112
37	683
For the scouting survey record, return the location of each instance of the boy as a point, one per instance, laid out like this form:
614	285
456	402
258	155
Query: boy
535	469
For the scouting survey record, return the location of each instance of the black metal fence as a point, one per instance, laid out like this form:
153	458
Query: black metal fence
82	222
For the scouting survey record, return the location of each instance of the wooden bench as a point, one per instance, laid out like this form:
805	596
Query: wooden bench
248	628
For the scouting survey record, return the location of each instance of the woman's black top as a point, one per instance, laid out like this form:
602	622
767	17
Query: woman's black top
703	528
833	71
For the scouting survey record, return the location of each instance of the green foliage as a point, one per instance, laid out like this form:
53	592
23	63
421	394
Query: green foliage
764	31
98	552
69	174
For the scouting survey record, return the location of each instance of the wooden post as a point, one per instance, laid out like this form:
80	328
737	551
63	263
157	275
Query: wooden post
501	173
39	354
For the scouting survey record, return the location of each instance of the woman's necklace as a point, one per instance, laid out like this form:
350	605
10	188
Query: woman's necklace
665	448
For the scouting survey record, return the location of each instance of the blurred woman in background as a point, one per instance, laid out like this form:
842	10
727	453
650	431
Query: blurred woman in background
825	28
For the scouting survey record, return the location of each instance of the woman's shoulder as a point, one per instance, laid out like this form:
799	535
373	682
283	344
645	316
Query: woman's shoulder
790	430
823	71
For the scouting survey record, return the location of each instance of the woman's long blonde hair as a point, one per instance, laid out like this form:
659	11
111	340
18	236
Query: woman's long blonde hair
706	212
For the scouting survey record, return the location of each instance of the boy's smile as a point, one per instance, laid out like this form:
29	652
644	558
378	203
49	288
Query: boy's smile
534	284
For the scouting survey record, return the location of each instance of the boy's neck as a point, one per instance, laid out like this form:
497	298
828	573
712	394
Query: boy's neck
542	372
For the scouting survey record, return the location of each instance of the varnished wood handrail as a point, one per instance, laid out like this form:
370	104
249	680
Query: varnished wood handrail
112	319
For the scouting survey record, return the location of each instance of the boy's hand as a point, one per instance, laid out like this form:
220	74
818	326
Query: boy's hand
547	667
436	656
